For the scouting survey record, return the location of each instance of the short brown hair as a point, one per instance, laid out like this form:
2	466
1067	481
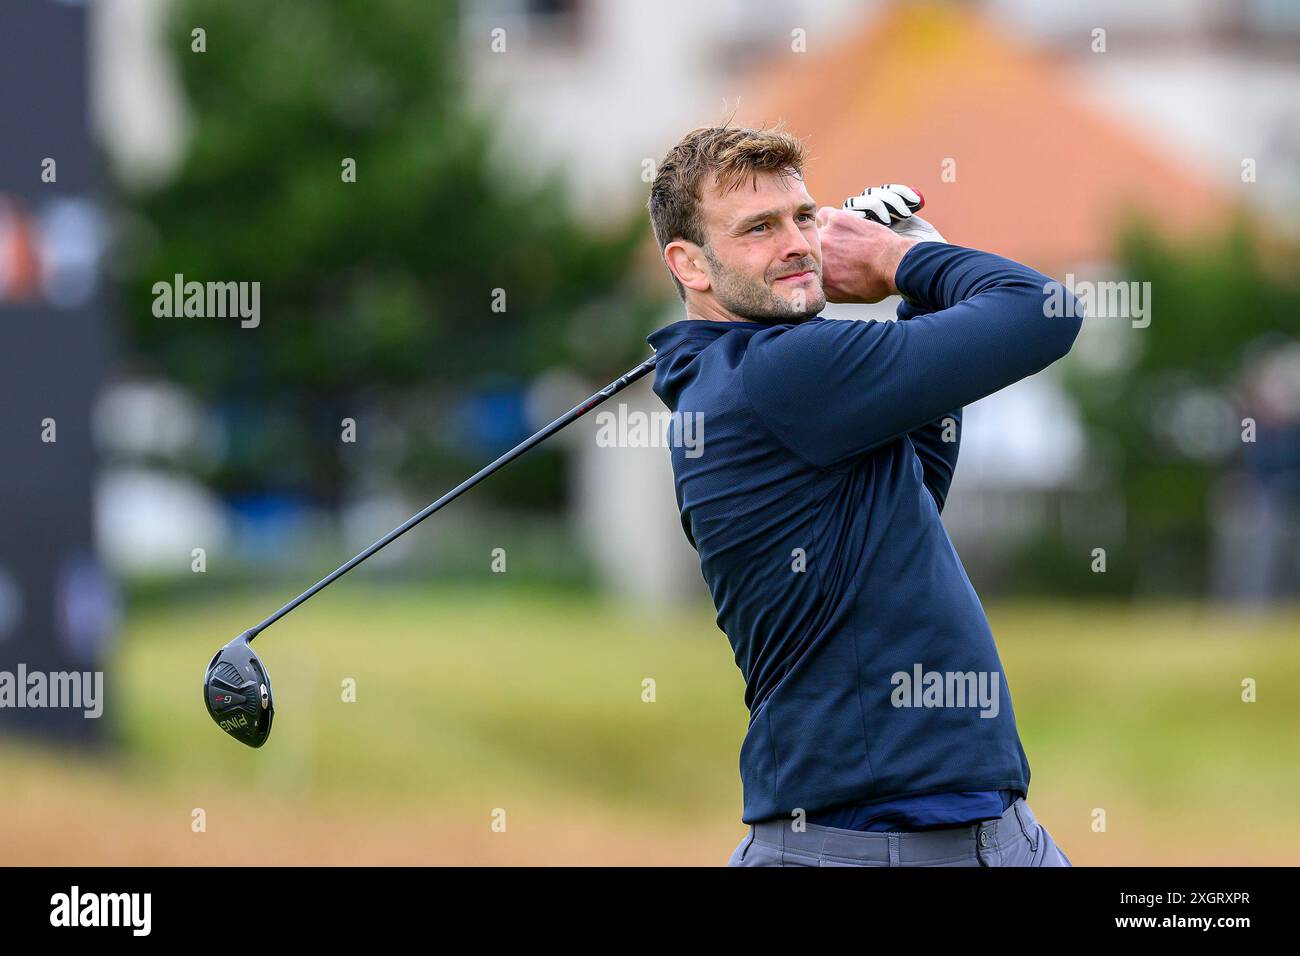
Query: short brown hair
732	153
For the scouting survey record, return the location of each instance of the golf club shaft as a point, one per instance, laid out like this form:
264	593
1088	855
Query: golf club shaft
572	415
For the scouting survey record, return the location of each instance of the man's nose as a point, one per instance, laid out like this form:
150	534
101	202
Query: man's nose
797	244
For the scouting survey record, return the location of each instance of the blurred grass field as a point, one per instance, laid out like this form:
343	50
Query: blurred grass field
473	699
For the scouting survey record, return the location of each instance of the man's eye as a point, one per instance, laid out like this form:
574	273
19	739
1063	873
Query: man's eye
805	215
761	225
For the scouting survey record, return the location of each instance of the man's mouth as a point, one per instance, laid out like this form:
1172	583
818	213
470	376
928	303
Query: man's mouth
797	276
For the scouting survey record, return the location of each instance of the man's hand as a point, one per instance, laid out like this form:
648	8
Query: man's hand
859	258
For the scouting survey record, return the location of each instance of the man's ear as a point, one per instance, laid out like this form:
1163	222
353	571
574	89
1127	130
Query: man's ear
687	261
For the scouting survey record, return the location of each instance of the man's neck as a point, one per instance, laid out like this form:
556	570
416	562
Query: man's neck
710	310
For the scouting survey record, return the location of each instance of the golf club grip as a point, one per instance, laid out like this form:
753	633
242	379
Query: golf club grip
572	415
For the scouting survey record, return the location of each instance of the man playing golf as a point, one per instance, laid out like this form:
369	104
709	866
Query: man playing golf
881	731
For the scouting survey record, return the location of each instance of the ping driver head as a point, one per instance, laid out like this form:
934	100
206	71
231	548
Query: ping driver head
237	692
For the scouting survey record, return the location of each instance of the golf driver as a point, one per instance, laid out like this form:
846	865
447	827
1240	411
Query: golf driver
237	688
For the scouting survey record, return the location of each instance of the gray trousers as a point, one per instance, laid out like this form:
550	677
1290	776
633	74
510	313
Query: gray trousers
1014	839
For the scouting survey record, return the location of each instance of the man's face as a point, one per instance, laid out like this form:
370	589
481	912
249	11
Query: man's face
764	252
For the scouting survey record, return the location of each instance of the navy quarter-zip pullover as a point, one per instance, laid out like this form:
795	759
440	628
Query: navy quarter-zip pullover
813	501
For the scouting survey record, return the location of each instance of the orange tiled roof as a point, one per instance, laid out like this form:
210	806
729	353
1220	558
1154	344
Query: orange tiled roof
924	83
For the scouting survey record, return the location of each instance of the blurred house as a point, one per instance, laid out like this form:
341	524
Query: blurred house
1031	134
599	86
1033	128
1214	82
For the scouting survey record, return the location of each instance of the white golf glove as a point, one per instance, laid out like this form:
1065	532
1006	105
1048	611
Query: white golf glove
894	205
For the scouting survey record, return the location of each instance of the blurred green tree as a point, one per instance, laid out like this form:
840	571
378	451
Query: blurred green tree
382	287
1165	422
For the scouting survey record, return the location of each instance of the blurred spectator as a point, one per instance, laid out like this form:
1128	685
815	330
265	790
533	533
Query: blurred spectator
1257	507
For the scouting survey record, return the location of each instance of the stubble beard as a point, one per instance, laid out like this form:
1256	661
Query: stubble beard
755	301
